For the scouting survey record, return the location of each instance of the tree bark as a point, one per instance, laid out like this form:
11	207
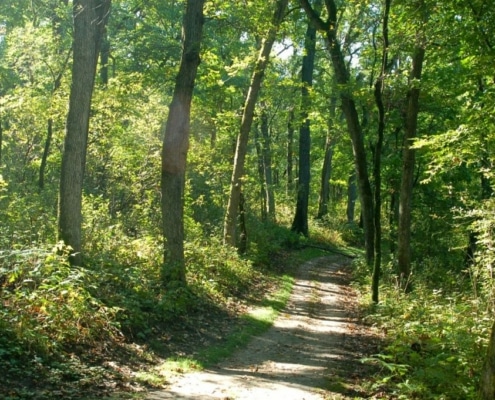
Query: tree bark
378	93
351	115
175	147
300	222
408	161
90	17
230	222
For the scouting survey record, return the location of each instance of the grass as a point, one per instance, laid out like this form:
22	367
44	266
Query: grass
254	323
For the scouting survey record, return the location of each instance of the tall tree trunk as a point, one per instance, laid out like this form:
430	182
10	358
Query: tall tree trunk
267	167
326	171
377	173
408	160
90	17
261	175
290	150
300	222
351	115
230	222
176	144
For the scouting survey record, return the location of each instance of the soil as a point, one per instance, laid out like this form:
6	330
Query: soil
311	352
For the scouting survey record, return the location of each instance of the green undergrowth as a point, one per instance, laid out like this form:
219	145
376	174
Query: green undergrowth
253	323
434	338
65	330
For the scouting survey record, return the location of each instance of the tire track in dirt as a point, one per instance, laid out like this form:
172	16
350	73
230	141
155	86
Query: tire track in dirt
294	358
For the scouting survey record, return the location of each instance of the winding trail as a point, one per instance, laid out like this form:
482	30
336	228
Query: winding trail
292	360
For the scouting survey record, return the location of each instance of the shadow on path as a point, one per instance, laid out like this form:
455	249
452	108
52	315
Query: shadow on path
296	358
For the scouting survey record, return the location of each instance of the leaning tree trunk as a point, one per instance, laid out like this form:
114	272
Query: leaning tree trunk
408	160
175	147
300	222
230	222
90	17
351	115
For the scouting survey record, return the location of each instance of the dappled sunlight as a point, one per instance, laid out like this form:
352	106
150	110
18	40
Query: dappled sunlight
292	360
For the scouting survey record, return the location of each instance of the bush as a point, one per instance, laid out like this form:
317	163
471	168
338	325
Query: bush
46	304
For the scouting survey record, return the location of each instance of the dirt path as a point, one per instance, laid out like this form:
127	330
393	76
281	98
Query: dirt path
295	358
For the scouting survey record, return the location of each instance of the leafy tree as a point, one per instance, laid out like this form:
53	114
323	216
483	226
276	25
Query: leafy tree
300	222
378	93
408	157
342	77
90	17
230	223
175	146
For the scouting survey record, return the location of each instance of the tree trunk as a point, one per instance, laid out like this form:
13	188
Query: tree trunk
408	160
90	17
243	240
378	92
351	197
290	150
261	175
230	222
326	171
176	144
300	223
488	372
351	115
267	167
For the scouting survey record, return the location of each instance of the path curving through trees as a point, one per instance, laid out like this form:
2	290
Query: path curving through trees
293	360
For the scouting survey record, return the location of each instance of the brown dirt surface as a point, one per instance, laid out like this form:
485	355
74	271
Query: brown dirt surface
311	352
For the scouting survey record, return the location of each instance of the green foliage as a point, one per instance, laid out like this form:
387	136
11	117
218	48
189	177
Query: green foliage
46	303
434	340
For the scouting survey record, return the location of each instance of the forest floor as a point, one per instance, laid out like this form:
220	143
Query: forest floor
312	351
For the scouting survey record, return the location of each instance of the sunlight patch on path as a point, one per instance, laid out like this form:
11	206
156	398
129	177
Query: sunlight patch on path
292	360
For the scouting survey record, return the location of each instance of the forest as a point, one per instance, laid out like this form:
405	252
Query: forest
165	163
